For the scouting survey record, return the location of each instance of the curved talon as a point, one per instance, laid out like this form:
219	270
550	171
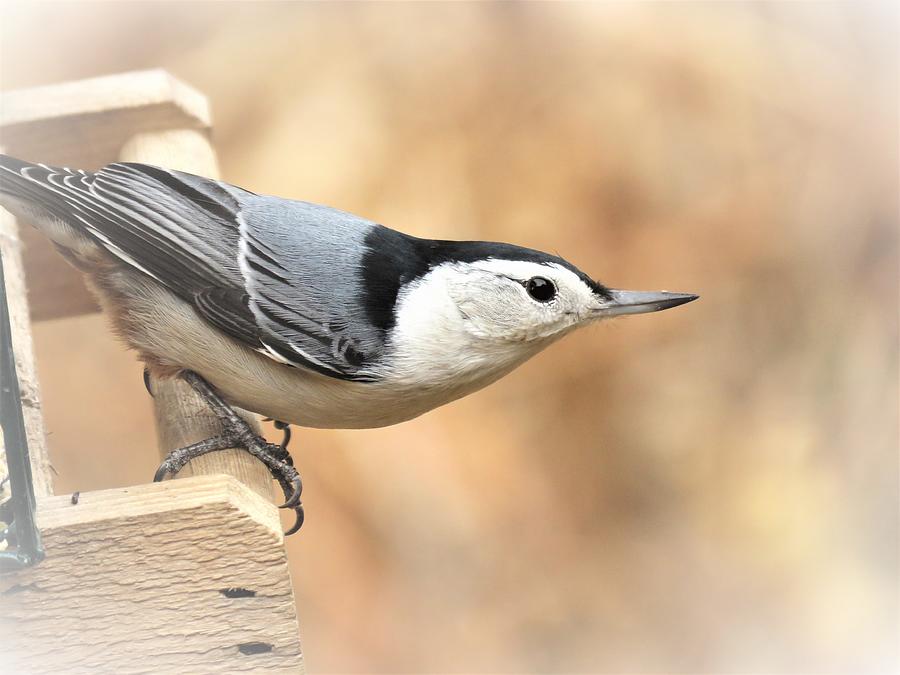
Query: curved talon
237	433
293	499
286	429
290	488
298	522
147	384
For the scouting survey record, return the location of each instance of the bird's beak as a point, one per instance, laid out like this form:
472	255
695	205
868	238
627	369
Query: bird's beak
640	302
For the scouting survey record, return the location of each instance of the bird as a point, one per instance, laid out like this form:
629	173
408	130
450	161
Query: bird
296	311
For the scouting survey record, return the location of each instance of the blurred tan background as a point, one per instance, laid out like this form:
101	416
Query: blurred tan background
712	489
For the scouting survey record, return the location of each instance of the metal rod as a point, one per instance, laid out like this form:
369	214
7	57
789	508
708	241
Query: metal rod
29	549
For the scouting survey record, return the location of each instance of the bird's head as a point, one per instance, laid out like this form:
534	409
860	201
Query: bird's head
499	302
525	300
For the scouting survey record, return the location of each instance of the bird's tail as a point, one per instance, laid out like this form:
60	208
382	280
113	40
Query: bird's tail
32	193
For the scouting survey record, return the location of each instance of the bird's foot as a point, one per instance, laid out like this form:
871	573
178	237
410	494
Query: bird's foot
237	433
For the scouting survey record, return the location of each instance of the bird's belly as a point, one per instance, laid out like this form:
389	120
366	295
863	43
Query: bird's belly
169	334
305	398
302	398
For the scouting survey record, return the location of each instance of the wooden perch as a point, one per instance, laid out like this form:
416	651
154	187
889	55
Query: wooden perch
173	577
147	116
185	576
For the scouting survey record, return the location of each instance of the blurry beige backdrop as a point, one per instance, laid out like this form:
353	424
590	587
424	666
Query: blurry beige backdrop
710	489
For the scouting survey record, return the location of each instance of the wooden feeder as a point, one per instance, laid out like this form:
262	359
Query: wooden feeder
184	576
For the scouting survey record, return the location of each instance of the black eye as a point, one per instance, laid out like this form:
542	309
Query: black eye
540	289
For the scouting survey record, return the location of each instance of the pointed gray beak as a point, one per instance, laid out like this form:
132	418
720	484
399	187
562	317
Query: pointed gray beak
640	302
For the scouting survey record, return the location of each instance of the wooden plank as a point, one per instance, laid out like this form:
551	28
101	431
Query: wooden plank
185	576
26	368
85	124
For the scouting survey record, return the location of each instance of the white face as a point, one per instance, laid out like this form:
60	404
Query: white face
465	324
518	301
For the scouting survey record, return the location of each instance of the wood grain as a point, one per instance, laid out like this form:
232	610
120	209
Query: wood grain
26	368
185	576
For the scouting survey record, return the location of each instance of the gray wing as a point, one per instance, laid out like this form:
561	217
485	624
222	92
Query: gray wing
301	264
283	277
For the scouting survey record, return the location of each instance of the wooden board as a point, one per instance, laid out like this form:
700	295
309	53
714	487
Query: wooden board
85	124
186	576
26	369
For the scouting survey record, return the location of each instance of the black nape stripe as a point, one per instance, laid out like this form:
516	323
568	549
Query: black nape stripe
472	251
393	259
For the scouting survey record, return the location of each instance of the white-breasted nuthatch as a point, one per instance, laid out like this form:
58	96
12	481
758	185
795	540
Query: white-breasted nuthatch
301	312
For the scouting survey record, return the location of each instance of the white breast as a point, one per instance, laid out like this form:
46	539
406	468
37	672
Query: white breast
431	359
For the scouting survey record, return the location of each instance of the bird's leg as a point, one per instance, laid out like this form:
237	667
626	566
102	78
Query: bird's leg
237	433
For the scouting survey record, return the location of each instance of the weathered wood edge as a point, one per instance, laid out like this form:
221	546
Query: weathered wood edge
26	367
103	95
137	500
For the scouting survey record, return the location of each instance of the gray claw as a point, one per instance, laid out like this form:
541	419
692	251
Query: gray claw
298	522
237	433
293	498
